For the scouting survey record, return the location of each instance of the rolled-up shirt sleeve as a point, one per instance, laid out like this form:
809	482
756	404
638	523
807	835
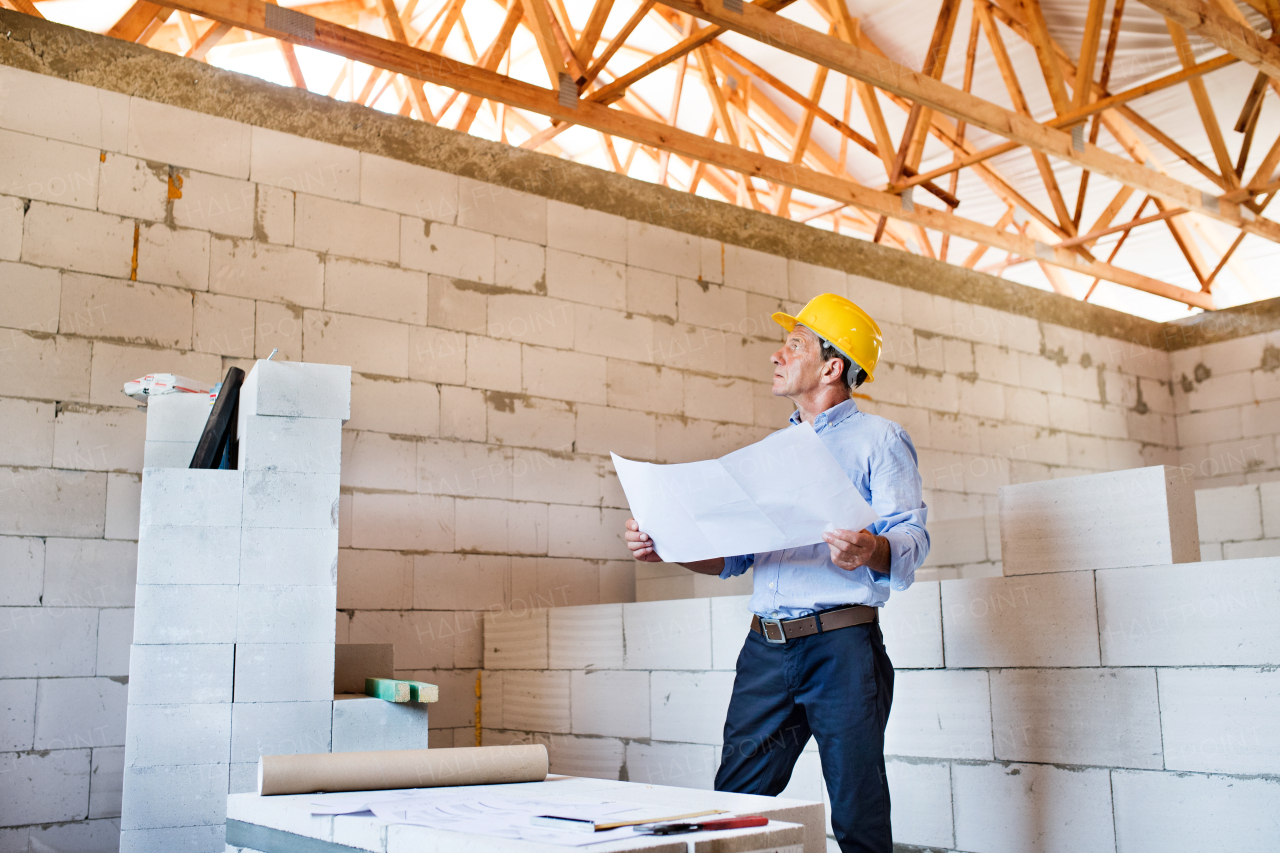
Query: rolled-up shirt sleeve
896	495
734	566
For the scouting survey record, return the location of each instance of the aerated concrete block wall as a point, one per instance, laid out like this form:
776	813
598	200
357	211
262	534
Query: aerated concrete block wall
1127	710
509	318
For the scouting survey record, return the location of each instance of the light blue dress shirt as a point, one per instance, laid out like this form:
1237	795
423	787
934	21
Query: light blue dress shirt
880	459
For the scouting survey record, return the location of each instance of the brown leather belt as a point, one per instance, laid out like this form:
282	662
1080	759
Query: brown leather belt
778	631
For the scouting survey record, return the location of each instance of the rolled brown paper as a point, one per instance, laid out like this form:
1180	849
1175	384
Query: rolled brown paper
401	768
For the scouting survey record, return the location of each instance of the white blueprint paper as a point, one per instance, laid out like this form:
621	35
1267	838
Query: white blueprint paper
783	492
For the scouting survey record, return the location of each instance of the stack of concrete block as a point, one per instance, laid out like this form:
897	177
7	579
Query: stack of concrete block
174	425
233	653
1067	707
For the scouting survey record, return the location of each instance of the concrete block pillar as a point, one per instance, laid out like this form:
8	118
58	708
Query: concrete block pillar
233	652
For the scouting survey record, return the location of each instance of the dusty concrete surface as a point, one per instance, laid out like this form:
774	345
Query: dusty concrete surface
83	57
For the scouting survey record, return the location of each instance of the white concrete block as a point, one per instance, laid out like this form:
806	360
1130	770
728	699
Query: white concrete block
730	623
284	672
912	626
179	614
305	165
612	703
214	203
587	637
279	728
1198	614
689	706
503	211
187	497
587	232
177	417
1220	720
283	556
31	294
1032	807
361	724
921	792
1229	514
378	461
259	270
407	188
755	271
668	635
942	714
678	765
294	389
459	253
49	642
168	454
402	522
22	571
592	758
1100	717
1141	517
1183	812
196	839
1043	620
168	796
350	230
115	637
370	346
131	187
1270	508
662	249
198	674
585	278
63	362
11	215
273	214
502	526
224	325
48	170
17	714
292	445
89	572
77	712
515	642
372	290
188	555
92	438
536	701
185	138
587	532
291	500
286	614
79	240
51	502
106	783
178	734
45	787
44	105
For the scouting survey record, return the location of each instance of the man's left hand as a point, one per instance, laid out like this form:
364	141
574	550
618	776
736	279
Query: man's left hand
852	550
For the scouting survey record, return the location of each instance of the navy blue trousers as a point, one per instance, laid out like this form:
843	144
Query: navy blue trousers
837	687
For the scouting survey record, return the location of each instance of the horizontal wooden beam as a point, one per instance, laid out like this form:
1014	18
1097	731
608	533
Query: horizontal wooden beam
443	71
798	40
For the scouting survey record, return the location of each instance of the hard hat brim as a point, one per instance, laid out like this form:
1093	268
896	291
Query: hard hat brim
789	323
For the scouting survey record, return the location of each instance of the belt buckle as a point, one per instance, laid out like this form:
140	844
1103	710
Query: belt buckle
766	624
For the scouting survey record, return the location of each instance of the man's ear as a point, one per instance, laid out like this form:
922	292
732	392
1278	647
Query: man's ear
831	370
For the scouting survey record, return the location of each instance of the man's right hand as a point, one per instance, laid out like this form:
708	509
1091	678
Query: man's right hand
640	544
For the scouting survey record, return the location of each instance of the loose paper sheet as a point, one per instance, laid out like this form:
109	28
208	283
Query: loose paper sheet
783	492
490	814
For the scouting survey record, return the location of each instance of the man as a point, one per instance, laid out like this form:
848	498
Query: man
814	661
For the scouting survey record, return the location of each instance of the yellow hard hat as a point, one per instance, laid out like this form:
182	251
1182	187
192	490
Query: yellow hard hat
843	325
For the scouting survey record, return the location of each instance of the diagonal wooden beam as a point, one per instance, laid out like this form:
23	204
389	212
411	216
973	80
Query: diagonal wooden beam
441	70
491	59
996	42
1089	50
136	19
1200	95
1084	86
800	141
208	40
26	7
1038	31
590	36
802	41
538	17
391	17
1212	23
618	40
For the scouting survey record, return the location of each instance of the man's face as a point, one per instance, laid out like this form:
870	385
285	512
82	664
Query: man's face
798	365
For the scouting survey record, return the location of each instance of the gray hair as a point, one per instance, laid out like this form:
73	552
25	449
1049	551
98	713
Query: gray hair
852	374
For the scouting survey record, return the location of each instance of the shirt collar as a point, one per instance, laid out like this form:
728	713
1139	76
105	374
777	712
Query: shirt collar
830	417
